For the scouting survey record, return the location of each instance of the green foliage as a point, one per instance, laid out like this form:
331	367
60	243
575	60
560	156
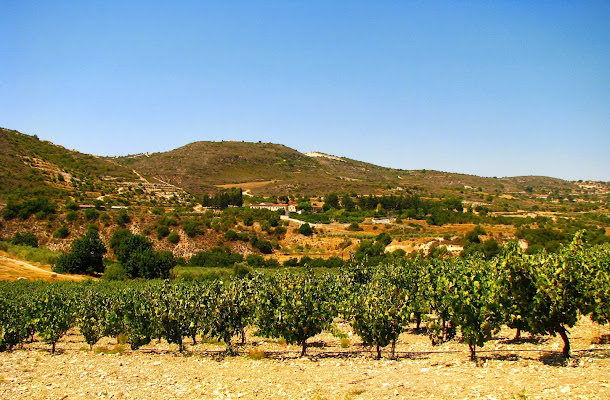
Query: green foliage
542	293
379	308
114	272
70	206
472	299
543	238
232	197
40	206
12	325
71	216
354	226
162	232
136	255
231	235
305	229
91	214
25	239
122	218
295	307
192	227
230	310
35	254
173	238
61	233
91	315
85	256
54	314
331	200
264	246
215	258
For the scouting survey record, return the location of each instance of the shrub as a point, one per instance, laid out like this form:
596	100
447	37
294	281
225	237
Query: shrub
122	218
25	239
264	246
192	227
305	230
71	216
173	238
115	272
91	214
354	226
162	231
255	261
40	206
61	233
104	218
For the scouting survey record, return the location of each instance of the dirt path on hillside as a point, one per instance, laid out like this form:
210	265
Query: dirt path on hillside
11	269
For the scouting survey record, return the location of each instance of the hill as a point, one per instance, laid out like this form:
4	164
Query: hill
425	209
203	167
29	166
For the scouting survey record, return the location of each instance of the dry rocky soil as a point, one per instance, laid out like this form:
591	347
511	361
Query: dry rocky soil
268	369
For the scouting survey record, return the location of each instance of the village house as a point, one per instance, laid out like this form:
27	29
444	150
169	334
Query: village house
287	208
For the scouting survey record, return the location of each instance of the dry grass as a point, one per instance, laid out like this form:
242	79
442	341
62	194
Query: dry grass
12	269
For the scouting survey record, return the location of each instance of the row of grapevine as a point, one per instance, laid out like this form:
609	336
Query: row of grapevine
541	294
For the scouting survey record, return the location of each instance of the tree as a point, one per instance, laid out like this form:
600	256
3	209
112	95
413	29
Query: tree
86	255
348	203
124	244
295	307
560	285
305	230
136	255
331	201
379	308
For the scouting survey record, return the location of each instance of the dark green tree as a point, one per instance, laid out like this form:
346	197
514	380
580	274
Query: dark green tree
305	230
86	255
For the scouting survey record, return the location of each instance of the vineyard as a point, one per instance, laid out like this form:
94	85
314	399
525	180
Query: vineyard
540	294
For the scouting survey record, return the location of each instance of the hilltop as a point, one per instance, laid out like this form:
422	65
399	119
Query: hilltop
276	170
34	166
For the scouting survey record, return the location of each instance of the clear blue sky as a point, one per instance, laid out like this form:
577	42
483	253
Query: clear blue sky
492	88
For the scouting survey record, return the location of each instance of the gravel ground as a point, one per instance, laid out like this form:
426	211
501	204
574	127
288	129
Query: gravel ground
529	369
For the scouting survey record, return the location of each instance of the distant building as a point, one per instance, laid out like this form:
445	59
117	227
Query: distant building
385	220
287	208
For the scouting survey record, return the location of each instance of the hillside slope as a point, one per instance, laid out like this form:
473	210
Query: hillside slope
202	167
29	166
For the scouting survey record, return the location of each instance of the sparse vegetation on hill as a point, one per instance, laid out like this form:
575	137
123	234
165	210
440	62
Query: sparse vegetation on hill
188	201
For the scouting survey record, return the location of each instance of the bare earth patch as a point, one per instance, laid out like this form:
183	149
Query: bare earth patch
11	269
529	369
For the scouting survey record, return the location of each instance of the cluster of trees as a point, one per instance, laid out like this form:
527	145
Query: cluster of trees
232	197
136	255
542	294
41	207
435	212
25	239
